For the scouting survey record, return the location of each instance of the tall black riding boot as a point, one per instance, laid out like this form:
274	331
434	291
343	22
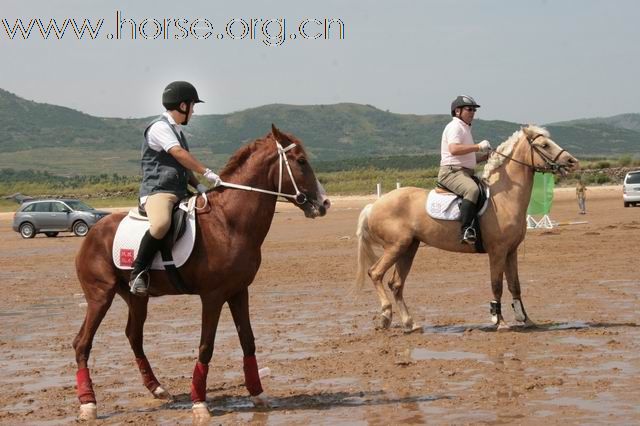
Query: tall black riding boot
139	282
467	217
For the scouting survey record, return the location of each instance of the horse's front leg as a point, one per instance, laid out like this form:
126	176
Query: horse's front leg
239	306
211	307
513	281
497	263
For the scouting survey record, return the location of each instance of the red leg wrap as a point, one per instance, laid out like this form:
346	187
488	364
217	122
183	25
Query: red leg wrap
148	378
199	383
251	377
85	388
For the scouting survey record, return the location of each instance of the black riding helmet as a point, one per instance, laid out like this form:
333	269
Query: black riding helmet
462	101
177	92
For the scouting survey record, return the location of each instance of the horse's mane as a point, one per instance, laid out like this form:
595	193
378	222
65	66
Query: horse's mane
241	155
244	152
506	148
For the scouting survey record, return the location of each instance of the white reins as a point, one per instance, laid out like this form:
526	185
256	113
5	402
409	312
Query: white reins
299	197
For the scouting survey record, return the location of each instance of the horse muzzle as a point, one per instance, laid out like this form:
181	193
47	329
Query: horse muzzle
316	208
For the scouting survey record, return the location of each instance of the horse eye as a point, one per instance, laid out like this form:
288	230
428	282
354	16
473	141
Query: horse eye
302	161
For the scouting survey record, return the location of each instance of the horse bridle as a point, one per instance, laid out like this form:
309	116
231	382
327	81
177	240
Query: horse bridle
299	197
551	165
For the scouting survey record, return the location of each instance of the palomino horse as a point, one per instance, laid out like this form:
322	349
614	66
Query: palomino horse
398	222
224	262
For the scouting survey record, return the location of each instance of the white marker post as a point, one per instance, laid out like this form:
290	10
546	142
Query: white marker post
379	189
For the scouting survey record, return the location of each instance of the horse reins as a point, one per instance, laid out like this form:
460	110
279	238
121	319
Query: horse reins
550	164
298	197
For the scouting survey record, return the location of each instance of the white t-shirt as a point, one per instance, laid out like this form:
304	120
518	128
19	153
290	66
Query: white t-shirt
457	131
161	137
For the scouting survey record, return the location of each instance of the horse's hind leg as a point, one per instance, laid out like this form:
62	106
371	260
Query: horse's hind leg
239	306
97	307
376	272
396	285
134	331
513	281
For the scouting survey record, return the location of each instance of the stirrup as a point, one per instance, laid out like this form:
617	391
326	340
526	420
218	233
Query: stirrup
140	284
469	236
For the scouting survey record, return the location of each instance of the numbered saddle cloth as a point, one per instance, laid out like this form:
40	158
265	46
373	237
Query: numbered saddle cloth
130	233
446	205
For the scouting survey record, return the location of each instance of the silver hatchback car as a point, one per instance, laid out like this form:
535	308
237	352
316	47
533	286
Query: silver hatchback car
631	189
53	216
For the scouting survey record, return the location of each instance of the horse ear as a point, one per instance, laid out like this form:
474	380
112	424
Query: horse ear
526	129
280	137
276	133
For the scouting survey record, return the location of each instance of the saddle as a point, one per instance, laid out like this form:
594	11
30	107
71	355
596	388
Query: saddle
444	204
178	223
176	247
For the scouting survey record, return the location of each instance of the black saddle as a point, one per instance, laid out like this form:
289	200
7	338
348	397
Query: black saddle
178	223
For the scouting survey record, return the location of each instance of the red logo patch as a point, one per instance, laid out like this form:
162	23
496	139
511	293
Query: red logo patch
126	257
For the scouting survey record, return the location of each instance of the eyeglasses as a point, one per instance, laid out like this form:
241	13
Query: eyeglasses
470	109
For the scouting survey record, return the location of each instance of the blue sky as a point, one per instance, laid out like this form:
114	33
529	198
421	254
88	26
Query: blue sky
526	61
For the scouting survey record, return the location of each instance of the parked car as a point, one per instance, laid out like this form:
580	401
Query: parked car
631	189
53	216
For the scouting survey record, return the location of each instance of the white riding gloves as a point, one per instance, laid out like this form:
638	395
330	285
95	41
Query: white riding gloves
484	146
212	177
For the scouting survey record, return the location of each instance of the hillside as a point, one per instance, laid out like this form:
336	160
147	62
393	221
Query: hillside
62	140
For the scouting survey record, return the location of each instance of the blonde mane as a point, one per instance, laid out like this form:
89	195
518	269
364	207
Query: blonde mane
506	148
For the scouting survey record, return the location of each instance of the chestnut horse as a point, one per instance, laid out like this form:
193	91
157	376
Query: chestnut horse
224	262
398	222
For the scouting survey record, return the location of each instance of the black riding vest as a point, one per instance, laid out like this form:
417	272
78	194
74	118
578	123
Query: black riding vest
160	171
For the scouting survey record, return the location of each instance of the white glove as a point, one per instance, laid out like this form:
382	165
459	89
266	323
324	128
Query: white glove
212	177
484	146
201	188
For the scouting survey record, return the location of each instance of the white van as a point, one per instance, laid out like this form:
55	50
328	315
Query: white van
631	188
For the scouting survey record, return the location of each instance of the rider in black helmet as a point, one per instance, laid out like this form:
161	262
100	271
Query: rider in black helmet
167	169
458	161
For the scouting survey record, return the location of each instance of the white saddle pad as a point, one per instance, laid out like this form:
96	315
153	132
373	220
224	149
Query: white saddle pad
130	233
446	206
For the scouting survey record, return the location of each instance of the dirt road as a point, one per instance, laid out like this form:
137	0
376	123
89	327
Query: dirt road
328	363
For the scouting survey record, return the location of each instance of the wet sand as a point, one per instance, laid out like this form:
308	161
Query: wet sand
329	365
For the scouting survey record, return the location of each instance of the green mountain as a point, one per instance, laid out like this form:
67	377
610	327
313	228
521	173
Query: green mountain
64	141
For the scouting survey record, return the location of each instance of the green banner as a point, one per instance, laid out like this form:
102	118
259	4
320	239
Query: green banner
541	195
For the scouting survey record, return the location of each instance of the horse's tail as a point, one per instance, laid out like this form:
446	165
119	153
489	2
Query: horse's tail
366	255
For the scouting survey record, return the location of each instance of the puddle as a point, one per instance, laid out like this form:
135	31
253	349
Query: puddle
455	329
338	381
571	325
572	340
421	354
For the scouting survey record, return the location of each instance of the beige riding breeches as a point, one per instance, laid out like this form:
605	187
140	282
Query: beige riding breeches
458	180
159	207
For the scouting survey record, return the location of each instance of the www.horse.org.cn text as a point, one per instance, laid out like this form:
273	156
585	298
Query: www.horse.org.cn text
268	31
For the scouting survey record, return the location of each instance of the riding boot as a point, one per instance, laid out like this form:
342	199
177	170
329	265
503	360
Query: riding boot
139	281
467	217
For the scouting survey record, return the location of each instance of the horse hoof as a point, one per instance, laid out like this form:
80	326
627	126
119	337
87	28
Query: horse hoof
260	401
200	412
503	327
160	393
88	412
385	321
412	329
